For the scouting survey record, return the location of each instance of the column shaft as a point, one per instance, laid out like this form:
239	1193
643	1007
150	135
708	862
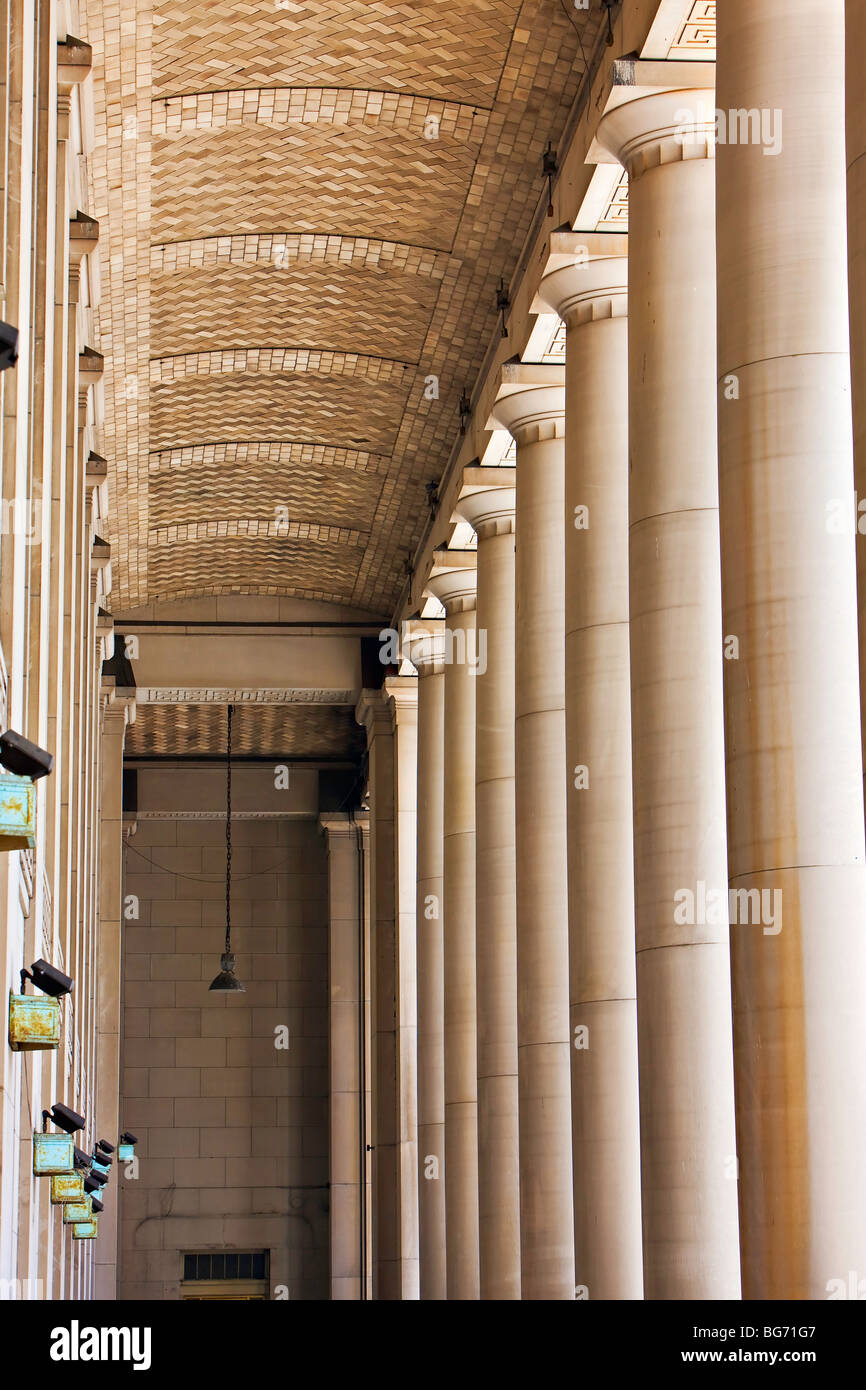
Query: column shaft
403	693
455	588
533	411
586	283
795	801
344	1052
488	505
688	1150
108	1119
427	655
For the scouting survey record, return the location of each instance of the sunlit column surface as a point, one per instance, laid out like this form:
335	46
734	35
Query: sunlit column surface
688	1147
586	281
795	803
452	581
531	404
487	502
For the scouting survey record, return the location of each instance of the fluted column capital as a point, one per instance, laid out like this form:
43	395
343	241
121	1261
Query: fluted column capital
424	645
585	278
651	128
486	501
530	402
453	580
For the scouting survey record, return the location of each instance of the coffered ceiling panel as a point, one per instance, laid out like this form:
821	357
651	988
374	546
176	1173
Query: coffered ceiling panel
305	210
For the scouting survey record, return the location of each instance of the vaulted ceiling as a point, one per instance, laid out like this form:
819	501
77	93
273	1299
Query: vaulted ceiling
305	209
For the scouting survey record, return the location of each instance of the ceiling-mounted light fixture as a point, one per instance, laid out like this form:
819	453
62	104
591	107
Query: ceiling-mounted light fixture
608	5
550	167
227	979
503	300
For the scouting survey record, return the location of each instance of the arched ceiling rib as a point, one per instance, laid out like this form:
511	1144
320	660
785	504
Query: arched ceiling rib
330	192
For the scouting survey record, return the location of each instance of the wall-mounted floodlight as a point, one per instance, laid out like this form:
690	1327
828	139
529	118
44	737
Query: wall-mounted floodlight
100	1169
48	978
126	1146
82	1160
94	1182
55	1153
104	1145
25	759
96	1205
8	346
64	1118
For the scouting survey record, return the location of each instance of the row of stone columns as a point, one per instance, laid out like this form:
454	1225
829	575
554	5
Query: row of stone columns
653	717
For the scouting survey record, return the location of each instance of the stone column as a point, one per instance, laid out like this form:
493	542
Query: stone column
115	718
486	502
426	649
855	130
403	693
344	986
394	1266
795	802
688	1148
531	403
586	282
452	581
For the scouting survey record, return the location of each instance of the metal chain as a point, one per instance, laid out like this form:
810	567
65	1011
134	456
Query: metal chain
229	831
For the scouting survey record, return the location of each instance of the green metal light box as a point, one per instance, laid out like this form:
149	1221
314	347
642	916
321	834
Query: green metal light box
17	812
34	1022
53	1153
73	1212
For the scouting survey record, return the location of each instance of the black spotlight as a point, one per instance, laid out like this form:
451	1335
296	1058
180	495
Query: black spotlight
64	1118
25	759
105	1146
93	1184
81	1159
96	1205
48	978
8	346
127	1138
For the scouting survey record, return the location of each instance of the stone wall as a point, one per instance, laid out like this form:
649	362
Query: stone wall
233	1130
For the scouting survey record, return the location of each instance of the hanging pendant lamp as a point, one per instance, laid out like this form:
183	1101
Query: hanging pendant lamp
227	979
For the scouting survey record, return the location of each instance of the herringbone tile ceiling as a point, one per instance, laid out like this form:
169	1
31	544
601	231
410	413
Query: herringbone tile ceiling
305	209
